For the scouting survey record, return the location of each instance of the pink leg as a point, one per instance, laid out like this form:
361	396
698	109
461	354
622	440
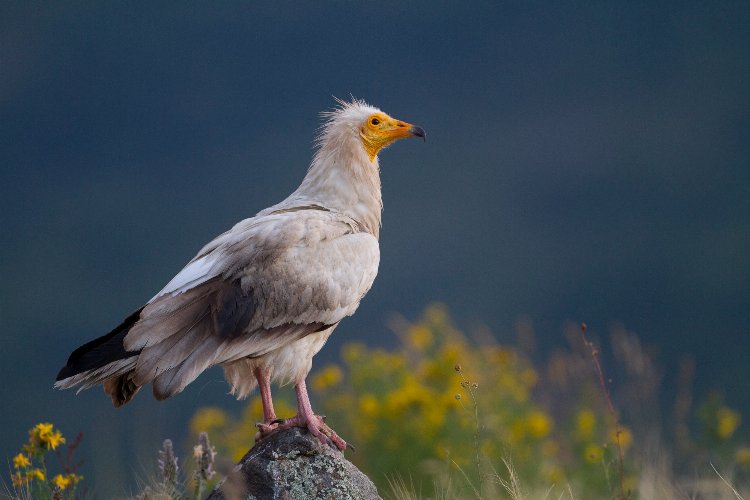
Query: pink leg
264	385
307	419
269	415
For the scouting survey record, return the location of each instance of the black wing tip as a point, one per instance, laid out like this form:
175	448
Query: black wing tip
65	372
100	351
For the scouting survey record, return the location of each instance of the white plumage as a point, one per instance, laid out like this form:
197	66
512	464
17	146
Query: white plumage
262	298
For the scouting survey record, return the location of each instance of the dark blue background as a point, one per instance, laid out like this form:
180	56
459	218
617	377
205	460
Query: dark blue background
586	161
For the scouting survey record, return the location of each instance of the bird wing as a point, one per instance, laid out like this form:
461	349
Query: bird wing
267	282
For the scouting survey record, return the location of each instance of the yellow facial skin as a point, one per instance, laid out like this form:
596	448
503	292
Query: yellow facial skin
380	130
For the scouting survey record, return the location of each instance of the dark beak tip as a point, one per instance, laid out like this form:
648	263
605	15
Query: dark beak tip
418	132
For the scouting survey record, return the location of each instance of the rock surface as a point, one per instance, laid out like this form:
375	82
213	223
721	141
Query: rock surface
290	465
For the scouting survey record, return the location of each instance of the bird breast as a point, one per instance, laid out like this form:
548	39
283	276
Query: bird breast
320	275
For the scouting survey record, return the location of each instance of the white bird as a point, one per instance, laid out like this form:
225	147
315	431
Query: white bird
262	298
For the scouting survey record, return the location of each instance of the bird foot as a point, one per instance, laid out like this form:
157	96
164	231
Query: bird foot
317	427
266	428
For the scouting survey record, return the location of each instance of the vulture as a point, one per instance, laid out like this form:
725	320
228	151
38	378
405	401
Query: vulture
262	298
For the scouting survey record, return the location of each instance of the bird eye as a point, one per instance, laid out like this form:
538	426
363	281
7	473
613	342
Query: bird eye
374	121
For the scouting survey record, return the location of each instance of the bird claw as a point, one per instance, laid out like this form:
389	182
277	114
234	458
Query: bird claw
318	428
264	429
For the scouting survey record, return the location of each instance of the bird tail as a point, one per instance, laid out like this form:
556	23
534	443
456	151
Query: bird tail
104	361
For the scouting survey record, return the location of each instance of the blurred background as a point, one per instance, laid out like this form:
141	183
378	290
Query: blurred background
585	162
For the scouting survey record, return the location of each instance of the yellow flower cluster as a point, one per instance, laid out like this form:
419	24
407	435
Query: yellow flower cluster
26	473
439	401
585	424
539	424
328	377
20	478
208	419
623	437
419	403
593	453
422	403
61	481
65	481
727	422
30	466
45	436
21	461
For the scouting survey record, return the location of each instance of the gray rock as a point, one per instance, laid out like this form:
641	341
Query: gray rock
290	465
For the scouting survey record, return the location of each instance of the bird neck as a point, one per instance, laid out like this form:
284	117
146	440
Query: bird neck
345	180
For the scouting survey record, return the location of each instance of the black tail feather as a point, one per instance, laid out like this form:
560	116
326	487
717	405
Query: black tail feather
101	351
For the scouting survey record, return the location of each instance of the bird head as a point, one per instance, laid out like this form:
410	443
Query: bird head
379	130
360	125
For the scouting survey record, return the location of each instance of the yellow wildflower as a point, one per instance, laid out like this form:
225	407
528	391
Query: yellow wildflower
553	474
419	337
452	353
585	424
385	361
368	405
329	376
434	371
436	314
36	474
410	396
207	419
42	429
593	453
352	352
39	433
61	481
432	421
625	437
727	422
538	424
45	436
20	461
742	456
54	440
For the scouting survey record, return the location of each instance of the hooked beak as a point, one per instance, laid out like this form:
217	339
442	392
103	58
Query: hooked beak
415	131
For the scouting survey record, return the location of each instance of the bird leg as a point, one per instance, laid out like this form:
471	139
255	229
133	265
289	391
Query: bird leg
263	375
308	420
